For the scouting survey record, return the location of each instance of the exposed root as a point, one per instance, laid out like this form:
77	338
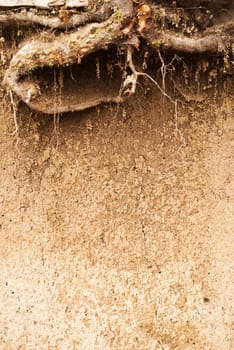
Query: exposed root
163	70
131	80
77	107
64	50
130	83
15	132
14	114
64	20
211	43
43	4
56	120
214	40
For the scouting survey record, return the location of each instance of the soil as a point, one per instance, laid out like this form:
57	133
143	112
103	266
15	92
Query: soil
117	223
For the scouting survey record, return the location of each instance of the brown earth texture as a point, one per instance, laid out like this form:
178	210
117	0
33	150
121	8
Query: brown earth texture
116	223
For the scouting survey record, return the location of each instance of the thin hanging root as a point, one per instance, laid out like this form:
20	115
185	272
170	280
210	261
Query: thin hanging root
15	132
163	70
14	114
132	81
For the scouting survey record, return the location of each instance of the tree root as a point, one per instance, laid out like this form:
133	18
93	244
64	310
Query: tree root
211	43
76	107
64	50
213	40
64	19
129	85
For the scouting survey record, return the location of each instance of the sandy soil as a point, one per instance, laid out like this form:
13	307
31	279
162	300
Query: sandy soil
116	229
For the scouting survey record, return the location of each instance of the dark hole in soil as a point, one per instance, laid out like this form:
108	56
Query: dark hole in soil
99	75
206	300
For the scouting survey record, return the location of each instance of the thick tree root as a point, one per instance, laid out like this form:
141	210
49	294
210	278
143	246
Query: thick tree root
76	107
211	43
214	40
64	19
64	50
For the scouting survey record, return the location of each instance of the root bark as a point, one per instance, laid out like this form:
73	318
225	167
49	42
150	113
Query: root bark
63	20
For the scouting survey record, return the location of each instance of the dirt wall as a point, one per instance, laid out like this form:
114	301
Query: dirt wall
116	227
